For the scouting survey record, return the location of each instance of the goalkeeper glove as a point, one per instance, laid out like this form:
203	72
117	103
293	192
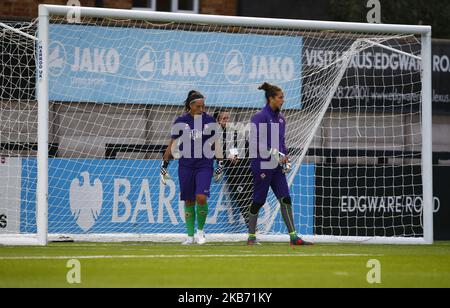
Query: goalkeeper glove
219	171
233	154
287	168
165	176
277	155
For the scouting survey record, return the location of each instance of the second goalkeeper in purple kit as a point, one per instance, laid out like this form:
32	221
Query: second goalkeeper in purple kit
270	162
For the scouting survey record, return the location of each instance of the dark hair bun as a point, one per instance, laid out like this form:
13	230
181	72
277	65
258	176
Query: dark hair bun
265	86
192	92
271	90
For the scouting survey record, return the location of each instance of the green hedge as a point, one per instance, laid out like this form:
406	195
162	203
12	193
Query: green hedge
416	12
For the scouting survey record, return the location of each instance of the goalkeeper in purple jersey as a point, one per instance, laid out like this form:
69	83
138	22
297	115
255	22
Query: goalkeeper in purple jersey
270	162
196	131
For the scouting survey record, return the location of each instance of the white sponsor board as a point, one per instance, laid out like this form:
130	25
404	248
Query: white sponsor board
10	188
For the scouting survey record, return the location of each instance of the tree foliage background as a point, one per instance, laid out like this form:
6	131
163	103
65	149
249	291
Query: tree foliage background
416	12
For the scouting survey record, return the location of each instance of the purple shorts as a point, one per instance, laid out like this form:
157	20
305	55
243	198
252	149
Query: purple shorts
264	179
194	182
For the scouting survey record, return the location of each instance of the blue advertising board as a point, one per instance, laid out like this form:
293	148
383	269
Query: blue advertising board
125	196
148	66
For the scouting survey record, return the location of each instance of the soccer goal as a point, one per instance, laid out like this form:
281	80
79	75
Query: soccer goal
89	95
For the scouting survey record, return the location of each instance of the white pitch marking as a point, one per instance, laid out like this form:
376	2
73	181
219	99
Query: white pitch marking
180	256
341	274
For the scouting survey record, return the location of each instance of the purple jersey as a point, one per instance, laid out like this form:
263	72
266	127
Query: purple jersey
261	138
261	141
198	133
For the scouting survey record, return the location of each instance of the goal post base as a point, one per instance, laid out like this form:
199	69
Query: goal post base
21	240
231	238
32	240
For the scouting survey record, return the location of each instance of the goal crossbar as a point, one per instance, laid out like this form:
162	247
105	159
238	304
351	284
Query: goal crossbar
234	21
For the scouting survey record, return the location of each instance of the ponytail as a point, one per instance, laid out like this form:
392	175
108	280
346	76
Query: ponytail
271	90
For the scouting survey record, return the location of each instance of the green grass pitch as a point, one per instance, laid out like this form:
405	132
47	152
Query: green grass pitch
224	265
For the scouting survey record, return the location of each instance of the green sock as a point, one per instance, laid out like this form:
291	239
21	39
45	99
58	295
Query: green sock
190	219
252	236
293	235
202	214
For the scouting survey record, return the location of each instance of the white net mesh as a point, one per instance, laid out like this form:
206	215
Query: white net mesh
18	121
353	112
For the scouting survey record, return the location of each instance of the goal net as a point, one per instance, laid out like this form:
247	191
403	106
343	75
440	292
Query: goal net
117	80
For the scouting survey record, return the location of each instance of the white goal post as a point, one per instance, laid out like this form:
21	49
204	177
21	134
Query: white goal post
328	126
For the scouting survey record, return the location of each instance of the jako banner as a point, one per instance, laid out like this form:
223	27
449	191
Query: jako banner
148	66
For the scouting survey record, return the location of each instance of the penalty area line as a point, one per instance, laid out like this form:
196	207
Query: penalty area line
184	256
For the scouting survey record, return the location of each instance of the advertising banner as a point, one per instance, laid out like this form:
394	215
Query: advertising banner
148	66
10	179
110	196
379	201
441	76
441	176
379	79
